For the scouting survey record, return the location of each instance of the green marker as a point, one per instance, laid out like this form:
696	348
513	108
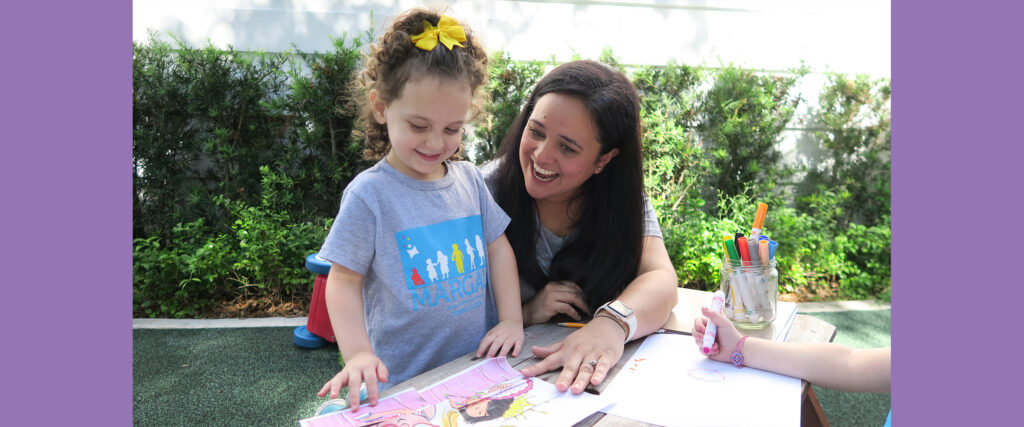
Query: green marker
739	311
734	256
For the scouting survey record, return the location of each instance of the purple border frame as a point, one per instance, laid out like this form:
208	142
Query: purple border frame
67	133
956	100
66	154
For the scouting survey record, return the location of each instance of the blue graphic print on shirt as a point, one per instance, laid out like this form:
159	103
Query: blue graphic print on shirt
445	263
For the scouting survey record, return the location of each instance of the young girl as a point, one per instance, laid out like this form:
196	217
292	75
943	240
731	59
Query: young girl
407	217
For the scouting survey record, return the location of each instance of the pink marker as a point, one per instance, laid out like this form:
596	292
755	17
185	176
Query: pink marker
711	330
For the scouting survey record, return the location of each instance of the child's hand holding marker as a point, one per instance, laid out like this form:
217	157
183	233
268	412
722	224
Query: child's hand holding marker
711	329
719	331
828	365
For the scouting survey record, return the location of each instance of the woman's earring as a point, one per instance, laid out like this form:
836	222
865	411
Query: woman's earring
598	170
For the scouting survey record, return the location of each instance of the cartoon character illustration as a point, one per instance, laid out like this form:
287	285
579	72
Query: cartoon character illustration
443	262
485	410
458	258
416	279
480	249
469	250
497	402
431	271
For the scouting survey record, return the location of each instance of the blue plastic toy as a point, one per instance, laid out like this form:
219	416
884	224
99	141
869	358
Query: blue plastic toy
317	330
306	339
335	405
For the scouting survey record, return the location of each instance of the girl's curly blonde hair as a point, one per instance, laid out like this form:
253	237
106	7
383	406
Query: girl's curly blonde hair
394	59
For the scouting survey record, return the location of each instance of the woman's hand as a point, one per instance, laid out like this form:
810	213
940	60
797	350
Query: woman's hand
362	367
504	337
557	297
601	340
725	339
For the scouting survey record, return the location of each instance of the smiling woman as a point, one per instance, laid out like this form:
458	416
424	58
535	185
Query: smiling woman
560	149
586	240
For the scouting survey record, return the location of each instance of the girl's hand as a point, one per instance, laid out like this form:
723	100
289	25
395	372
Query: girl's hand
600	340
556	297
725	339
506	336
362	367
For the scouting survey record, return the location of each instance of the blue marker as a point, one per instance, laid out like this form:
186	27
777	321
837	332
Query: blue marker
771	248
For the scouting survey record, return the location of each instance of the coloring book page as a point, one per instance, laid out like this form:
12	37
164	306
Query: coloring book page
492	393
489	393
403	409
669	382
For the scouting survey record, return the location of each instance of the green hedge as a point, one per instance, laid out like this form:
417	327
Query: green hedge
240	159
239	163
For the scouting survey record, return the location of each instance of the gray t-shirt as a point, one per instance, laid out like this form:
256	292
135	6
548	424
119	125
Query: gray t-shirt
422	249
549	244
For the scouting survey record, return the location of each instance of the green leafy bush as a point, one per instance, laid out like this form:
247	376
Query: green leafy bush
674	163
857	142
205	120
853	262
182	275
262	254
271	245
322	155
202	118
743	115
509	86
238	160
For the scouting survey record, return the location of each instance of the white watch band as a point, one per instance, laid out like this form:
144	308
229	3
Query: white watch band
629	320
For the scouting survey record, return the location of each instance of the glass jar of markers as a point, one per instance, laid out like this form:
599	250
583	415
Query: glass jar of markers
751	292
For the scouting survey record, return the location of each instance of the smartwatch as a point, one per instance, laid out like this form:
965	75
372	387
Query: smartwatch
621	311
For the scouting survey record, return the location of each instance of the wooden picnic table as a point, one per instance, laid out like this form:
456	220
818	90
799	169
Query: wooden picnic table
804	329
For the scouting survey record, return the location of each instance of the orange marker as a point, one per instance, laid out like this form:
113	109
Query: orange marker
762	210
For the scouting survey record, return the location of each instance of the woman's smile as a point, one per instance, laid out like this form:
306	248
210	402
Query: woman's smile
542	174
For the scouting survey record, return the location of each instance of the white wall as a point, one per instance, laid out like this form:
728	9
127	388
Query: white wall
841	35
774	35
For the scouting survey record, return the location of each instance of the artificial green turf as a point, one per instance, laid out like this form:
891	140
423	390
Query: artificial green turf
226	377
858	329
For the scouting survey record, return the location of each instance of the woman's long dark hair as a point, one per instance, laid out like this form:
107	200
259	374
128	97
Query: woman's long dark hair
603	254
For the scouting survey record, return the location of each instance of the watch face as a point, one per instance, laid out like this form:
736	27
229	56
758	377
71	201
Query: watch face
621	309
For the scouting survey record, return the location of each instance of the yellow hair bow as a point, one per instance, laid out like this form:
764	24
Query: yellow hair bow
448	32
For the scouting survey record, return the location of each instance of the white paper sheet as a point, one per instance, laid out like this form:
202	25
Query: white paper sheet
668	382
785	313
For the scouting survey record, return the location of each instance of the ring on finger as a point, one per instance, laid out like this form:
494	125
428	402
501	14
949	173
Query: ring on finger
592	362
